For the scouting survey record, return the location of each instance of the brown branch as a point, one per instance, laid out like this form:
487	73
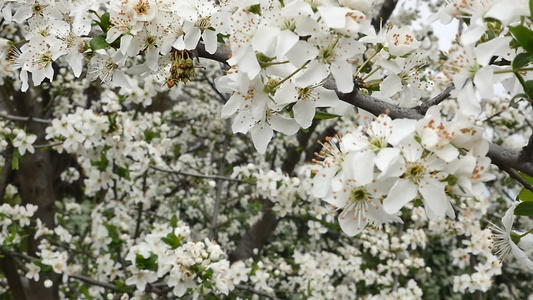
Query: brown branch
527	151
14	281
7	173
515	175
220	185
257	292
214	177
25	119
499	155
423	108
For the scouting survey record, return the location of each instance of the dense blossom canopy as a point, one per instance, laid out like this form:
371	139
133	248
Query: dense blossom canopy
155	149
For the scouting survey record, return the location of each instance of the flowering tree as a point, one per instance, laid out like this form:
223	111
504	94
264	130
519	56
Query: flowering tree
157	149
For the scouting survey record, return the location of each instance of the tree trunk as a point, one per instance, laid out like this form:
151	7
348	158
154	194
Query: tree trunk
34	177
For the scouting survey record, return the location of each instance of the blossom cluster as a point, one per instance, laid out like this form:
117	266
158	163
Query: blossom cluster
166	252
13	218
372	172
282	52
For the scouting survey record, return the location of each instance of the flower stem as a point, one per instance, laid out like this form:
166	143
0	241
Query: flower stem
526	233
290	75
367	61
371	73
513	70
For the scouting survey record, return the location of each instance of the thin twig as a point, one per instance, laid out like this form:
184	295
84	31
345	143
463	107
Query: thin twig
26	119
214	177
75	276
259	293
6	174
219	186
423	108
515	175
47	145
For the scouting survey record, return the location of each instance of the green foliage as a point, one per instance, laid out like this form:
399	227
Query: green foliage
525	194
524	209
149	263
323	115
524	36
98	42
522	60
172	240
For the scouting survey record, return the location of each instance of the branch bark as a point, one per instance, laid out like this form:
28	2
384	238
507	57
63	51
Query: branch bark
35	175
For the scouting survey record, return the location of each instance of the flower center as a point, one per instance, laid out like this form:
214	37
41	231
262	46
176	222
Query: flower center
415	171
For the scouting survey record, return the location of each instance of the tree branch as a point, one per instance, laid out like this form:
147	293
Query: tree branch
219	186
515	175
75	276
214	177
423	108
257	292
25	119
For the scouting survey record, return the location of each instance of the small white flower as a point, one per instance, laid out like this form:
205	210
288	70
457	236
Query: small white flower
505	240
401	41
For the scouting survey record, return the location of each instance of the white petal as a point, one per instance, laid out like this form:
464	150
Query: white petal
301	52
401	193
233	104
520	256
261	136
304	112
389	161
210	40
360	167
342	72
434	196
391	85
243	122
351	226
401	129
334	17
264	40
286	40
192	37
284	125
120	80
322	181
314	73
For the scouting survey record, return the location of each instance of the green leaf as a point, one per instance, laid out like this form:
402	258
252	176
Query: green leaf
531	9
516	99
121	286
15	160
149	135
255	9
524	209
105	22
98	42
524	36
528	89
525	195
172	240
322	115
528	178
122	172
522	60
174	221
149	263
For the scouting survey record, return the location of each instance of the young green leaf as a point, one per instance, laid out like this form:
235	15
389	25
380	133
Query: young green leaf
524	209
522	60
98	42
524	36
